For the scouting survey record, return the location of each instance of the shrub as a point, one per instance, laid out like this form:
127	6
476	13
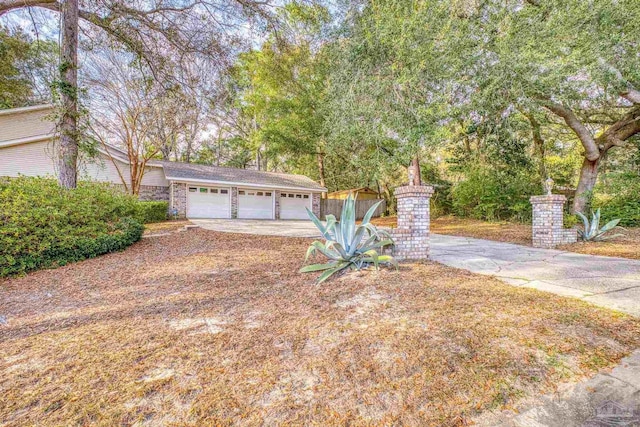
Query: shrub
621	202
492	195
570	220
148	212
43	225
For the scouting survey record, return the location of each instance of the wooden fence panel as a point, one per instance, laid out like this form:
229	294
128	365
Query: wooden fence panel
334	207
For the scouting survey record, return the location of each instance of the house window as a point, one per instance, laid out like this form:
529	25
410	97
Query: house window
224	191
298	196
306	196
192	189
241	192
251	193
214	191
283	194
204	190
259	193
267	193
290	196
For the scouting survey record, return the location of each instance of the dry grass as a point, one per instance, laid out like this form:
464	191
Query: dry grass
203	328
625	247
165	226
454	226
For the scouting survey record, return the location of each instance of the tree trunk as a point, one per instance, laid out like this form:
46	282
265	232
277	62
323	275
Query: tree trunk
388	197
539	145
414	172
321	172
588	178
68	160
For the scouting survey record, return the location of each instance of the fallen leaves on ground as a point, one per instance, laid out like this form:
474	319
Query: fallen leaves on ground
204	328
165	226
625	246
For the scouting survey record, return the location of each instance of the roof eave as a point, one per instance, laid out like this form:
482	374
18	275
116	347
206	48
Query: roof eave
117	154
28	140
11	111
241	184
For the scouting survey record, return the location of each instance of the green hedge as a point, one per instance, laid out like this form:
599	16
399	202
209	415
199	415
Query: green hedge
43	225
622	200
148	212
491	195
626	207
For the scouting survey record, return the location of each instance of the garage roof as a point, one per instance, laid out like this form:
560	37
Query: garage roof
176	171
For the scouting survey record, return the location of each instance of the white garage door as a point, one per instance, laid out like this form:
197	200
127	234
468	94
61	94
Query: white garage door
255	204
292	205
208	202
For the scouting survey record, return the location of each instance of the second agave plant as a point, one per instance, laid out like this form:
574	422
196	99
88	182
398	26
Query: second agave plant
348	245
592	231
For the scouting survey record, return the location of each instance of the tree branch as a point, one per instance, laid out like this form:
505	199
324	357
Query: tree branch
631	95
9	5
588	142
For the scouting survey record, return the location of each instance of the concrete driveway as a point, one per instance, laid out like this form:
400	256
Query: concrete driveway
605	281
289	228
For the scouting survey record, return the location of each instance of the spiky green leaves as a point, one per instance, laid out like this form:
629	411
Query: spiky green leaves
348	244
592	232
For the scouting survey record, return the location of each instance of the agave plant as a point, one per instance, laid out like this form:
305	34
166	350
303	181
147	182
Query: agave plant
592	231
348	245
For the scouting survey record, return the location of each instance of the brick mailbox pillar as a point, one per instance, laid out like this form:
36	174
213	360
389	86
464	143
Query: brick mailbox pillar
548	222
411	237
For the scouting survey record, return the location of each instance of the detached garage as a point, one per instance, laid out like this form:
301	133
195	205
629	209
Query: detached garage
202	191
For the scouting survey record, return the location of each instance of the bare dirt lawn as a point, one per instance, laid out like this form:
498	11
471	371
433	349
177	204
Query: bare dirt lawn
627	246
204	328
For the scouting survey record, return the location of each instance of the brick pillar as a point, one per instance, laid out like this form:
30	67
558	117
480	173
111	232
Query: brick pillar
548	222
411	237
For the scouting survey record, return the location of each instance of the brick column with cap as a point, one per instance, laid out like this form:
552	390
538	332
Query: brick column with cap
548	222
411	237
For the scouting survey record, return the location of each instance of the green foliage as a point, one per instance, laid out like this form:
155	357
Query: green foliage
592	232
43	225
408	76
148	212
26	69
278	91
14	86
348	244
622	201
569	220
492	195
626	208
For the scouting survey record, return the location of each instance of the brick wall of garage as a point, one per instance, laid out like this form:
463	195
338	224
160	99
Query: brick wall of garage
315	204
178	199
276	194
234	202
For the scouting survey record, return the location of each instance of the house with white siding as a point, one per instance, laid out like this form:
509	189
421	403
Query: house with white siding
28	147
